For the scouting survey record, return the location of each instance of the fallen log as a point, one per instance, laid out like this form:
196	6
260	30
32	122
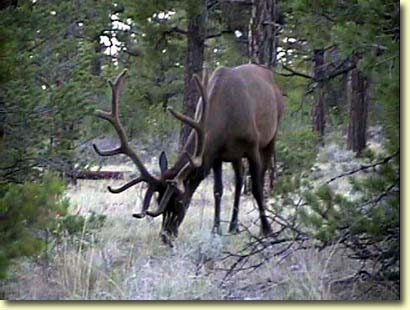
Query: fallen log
100	175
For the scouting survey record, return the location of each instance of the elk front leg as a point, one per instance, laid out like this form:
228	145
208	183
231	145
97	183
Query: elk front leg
218	191
238	169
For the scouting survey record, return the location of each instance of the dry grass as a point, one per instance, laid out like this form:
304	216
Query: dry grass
126	260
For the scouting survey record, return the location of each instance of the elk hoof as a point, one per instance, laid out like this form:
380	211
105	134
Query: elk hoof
266	231
166	239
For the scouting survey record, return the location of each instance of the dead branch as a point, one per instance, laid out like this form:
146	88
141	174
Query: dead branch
365	167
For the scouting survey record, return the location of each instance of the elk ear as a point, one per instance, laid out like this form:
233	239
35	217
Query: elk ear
163	162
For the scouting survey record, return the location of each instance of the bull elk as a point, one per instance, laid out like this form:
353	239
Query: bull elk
236	117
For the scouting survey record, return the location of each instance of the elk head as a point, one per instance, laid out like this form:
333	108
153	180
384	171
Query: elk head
170	186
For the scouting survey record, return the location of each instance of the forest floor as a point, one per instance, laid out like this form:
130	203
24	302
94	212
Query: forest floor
125	259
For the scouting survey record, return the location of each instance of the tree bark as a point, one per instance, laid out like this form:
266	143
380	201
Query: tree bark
263	38
319	121
196	35
356	136
262	43
98	61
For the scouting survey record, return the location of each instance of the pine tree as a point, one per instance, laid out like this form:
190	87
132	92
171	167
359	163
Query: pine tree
195	36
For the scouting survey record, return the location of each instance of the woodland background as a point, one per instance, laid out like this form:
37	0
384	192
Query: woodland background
336	201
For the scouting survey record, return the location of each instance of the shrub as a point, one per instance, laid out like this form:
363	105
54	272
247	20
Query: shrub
368	226
27	211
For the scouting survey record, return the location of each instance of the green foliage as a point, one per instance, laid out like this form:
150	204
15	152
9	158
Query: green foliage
296	148
296	153
75	225
369	29
50	87
72	224
224	51
28	211
296	145
387	71
369	226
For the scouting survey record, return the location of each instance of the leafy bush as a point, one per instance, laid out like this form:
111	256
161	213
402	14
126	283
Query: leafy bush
28	210
75	225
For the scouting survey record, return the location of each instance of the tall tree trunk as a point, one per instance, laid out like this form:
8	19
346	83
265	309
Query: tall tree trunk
98	58
356	136
196	34
319	121
336	89
263	38
262	43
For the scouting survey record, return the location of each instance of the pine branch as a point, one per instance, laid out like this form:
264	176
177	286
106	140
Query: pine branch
294	73
364	167
175	30
331	75
170	32
336	73
219	34
389	190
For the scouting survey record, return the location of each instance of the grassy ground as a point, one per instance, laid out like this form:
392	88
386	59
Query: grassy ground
124	259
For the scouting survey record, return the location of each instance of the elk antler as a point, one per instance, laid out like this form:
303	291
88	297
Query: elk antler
145	204
198	125
164	201
124	148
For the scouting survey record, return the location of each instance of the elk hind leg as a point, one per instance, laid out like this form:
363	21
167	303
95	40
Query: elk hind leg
272	176
257	171
218	192
238	169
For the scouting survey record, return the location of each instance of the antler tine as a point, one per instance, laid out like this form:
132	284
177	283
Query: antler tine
164	201
195	124
201	115
104	115
195	162
145	204
116	88
125	186
178	184
113	152
203	95
205	75
185	119
181	176
124	148
198	126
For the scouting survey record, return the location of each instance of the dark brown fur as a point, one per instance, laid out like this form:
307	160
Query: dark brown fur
238	119
245	107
